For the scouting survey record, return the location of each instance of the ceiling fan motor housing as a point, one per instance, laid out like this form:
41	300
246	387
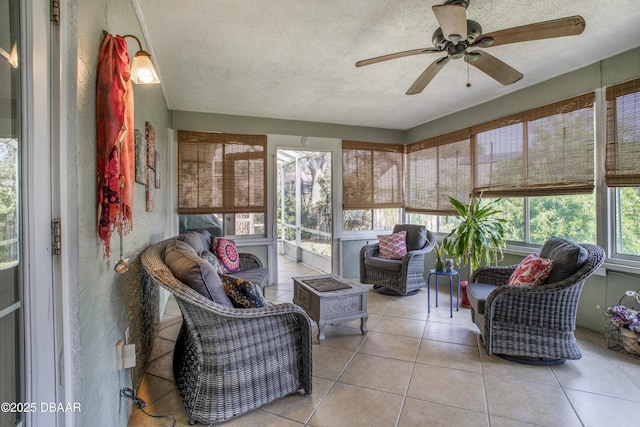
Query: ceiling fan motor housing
474	30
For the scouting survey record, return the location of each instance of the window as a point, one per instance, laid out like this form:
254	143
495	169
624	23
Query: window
370	219
544	151
535	219
435	223
221	225
222	181
627	221
372	185
571	217
622	163
513	212
436	169
539	162
9	242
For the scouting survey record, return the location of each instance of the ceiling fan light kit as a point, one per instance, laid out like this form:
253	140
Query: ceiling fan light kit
457	33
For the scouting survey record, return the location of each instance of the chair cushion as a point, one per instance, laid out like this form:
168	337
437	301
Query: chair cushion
384	263
192	239
227	253
199	240
254	275
393	246
195	272
416	235
213	260
567	258
477	294
243	294
532	271
205	237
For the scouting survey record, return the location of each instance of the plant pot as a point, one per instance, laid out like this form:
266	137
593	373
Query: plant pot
630	341
439	266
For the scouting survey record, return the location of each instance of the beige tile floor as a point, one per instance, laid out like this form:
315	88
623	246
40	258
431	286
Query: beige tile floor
418	369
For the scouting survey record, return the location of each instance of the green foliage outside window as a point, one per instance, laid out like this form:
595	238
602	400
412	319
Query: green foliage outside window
628	221
570	217
8	203
315	201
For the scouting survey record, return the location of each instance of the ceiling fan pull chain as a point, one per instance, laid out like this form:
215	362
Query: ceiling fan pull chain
468	82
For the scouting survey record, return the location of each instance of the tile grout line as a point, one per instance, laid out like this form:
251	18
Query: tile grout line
413	368
484	383
335	381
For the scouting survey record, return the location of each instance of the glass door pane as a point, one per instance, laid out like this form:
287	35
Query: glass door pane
11	369
315	209
304	207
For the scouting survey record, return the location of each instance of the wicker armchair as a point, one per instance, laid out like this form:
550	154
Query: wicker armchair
532	324
402	276
228	361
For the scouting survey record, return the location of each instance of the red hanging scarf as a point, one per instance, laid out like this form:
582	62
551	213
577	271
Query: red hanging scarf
116	155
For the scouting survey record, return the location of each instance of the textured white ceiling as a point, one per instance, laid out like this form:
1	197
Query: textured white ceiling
294	59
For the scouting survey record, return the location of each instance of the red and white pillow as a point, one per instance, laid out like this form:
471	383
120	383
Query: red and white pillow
393	246
532	271
227	253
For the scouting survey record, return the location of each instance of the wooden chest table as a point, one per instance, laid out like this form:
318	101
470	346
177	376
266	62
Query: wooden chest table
325	304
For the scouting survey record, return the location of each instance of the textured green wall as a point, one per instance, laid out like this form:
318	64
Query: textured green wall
206	122
109	303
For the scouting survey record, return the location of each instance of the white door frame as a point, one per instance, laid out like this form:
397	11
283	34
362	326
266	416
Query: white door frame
39	356
49	369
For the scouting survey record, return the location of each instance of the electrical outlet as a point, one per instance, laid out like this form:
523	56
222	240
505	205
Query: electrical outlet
125	355
129	356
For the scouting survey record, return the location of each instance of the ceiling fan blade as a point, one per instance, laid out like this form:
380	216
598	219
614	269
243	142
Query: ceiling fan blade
569	26
453	21
427	75
396	55
493	67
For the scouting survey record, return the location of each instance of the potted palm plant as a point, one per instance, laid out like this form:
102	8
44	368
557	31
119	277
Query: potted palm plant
479	237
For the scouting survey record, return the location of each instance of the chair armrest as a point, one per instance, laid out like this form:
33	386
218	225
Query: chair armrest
249	261
217	325
493	275
230	340
541	306
422	251
415	259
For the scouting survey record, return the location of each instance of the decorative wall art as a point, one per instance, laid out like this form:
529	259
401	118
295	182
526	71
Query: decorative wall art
141	157
157	169
150	133
151	164
151	177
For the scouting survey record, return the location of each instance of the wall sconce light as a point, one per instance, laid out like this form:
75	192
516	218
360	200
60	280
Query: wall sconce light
142	69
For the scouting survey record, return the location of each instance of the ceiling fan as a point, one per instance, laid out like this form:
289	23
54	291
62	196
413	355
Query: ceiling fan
457	33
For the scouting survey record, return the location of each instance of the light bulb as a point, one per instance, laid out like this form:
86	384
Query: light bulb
145	76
